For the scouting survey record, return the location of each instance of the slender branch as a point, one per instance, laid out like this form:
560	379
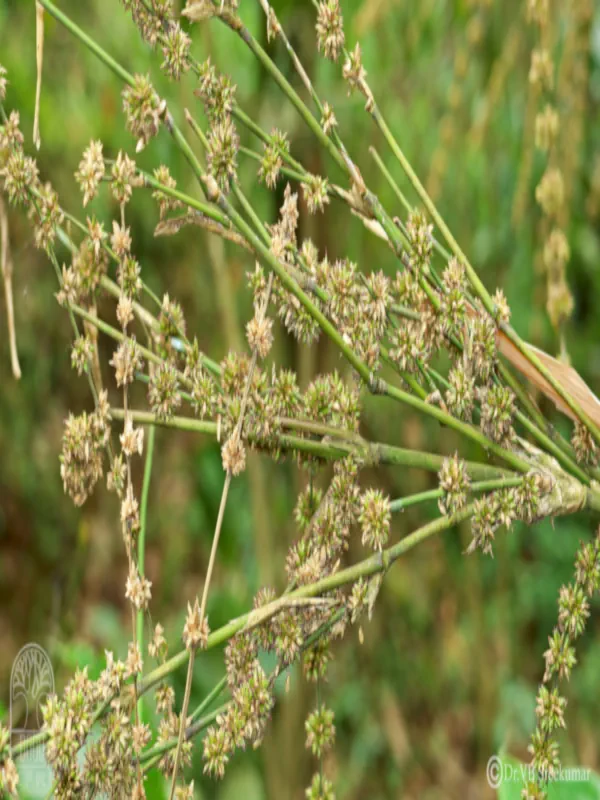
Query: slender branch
434	494
371	452
110	62
142	538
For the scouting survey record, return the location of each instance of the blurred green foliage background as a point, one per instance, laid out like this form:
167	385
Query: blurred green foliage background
452	658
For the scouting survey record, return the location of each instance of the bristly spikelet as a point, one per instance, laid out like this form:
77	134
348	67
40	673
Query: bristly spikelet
506	507
453	303
527	497
90	171
353	70
573	610
420	237
138	589
132	439
126	361
259	332
320	731
375	519
454	276
327	399
11	136
223	144
217	746
217	92
545	761
117	477
497	412
46	215
460	395
330	29
233	454
409	349
164	200
195	631
272	160
320	788
175	49
560	656
455	484
586	449
20	176
502	309
163	391
482	354
315	193
143	110
3	83
81	460
123	178
120	240
128	276
157	646
171	326
484	524
316	660
328	120
587	566
204	394
125	311
240	658
82	353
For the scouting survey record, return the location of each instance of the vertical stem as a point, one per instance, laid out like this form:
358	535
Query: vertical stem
142	538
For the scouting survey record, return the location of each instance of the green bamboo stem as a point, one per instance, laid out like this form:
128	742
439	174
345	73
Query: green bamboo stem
191	731
236	25
402	198
207	209
460	427
141	548
434	494
110	62
371	452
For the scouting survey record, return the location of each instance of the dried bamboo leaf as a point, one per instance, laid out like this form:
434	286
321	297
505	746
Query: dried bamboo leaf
569	378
